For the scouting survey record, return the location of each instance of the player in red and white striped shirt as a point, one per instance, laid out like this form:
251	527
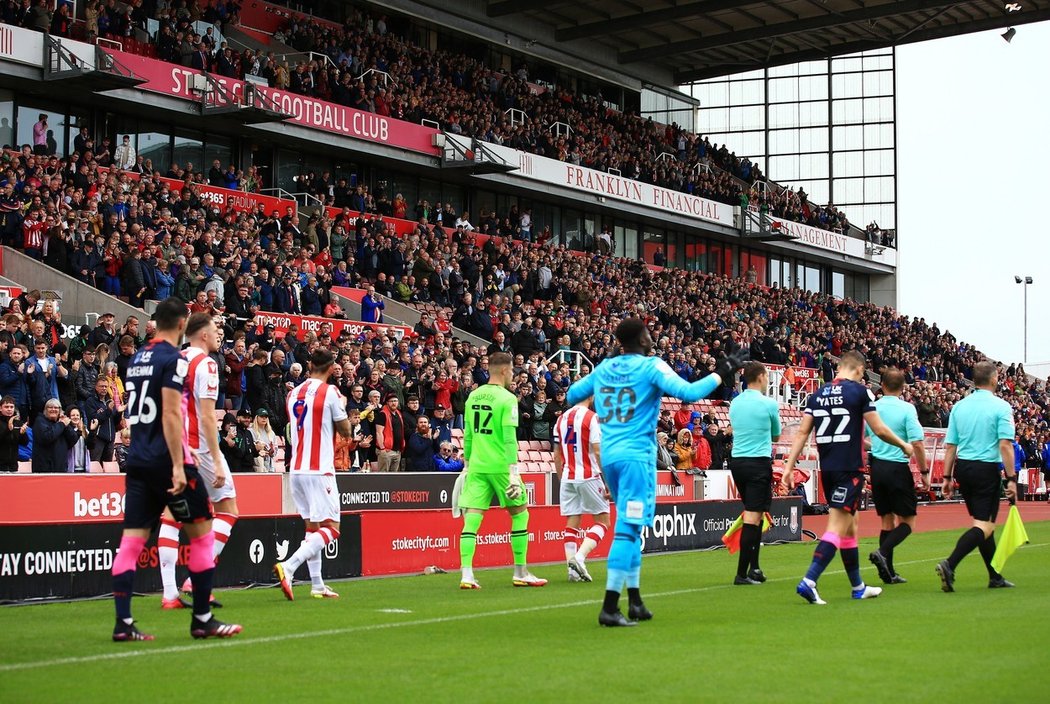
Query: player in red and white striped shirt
199	393
577	438
316	411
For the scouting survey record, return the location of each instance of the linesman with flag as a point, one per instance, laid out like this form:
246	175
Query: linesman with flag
980	436
756	425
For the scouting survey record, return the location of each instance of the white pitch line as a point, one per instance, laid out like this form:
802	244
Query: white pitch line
230	643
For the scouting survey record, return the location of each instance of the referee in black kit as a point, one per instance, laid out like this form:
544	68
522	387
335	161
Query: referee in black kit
892	485
980	436
756	425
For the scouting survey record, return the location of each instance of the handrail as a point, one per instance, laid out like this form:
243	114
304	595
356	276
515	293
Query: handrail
576	364
279	192
386	76
557	127
517	117
326	57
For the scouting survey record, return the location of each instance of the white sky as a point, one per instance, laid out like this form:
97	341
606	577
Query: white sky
973	128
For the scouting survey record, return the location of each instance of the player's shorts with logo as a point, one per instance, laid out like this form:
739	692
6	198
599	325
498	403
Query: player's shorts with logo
753	477
147	496
316	496
480	488
843	489
981	487
893	488
582	498
206	467
632	484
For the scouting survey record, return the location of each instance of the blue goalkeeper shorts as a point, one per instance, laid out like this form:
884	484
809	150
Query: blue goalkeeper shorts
633	488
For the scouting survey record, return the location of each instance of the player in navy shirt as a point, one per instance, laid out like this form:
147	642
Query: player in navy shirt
160	474
838	412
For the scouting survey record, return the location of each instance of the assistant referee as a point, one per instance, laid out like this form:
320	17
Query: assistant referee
980	436
756	425
892	486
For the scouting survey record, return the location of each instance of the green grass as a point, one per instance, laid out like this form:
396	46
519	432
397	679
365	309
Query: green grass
708	641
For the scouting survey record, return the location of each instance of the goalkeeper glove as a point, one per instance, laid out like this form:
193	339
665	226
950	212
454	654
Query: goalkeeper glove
457	490
515	489
729	364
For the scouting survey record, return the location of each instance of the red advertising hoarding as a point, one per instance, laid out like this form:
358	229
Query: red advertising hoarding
99	498
177	81
283	321
228	199
399	542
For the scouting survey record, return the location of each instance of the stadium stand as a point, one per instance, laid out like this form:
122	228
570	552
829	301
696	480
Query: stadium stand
131	233
365	66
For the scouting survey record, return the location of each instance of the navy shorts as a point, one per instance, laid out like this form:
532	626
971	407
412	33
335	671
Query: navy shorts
753	477
146	497
633	488
843	490
893	488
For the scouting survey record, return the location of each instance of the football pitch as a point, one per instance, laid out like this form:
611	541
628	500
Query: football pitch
422	639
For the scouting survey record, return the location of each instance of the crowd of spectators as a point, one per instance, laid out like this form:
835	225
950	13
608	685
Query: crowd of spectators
367	67
138	239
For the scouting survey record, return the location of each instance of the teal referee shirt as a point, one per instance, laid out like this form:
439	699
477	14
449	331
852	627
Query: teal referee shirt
755	419
977	424
900	417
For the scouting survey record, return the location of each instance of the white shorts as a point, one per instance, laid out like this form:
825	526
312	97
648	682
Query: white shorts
584	498
206	467
316	497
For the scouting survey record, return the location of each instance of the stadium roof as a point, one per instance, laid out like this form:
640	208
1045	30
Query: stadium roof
697	39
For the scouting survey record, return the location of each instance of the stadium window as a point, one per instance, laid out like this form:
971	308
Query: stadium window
188	150
775	270
287	169
838	284
75	122
783	168
216	147
813	88
430	191
878	109
155	146
878	162
7	119
28	116
812	281
652	242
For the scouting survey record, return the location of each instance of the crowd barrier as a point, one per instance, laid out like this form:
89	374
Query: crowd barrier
59	533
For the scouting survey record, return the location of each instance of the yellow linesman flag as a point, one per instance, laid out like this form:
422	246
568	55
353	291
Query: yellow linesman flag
731	539
1014	536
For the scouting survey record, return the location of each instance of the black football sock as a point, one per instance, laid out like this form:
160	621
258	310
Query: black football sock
967	543
987	549
749	536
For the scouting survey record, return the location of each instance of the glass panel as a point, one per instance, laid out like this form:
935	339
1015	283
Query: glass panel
155	148
653	243
7	120
218	148
43	126
838	284
775	267
630	242
189	152
75	122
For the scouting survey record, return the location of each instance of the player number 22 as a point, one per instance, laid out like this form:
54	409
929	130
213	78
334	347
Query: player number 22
141	408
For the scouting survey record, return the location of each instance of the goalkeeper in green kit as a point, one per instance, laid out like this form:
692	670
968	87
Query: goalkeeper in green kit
490	448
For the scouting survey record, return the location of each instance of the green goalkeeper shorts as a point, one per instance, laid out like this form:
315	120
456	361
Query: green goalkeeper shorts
480	489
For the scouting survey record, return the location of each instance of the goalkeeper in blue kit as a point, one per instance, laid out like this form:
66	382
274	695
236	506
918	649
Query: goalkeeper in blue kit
627	393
